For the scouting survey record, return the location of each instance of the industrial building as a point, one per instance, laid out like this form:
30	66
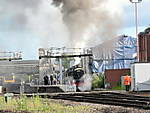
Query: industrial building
21	70
16	73
140	71
117	53
144	46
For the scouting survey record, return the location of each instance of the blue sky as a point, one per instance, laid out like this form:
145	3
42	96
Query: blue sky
129	19
17	35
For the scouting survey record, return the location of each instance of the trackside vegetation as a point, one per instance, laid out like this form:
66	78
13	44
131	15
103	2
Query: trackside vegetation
97	80
39	105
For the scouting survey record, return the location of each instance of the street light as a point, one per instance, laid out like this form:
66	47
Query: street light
135	1
136	23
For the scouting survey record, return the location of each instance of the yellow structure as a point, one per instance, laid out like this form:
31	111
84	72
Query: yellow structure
10	81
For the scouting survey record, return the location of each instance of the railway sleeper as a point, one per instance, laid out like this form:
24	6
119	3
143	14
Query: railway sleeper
109	102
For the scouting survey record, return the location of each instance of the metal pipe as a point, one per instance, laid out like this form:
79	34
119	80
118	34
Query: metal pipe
60	68
136	31
136	23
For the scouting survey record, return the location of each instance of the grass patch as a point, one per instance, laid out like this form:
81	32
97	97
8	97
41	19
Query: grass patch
118	88
39	105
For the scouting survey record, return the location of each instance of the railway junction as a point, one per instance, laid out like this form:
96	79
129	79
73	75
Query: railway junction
95	71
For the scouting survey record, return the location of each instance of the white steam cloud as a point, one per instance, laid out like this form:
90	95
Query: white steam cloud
74	23
89	21
87	84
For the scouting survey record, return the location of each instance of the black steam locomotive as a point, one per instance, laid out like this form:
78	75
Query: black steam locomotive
77	73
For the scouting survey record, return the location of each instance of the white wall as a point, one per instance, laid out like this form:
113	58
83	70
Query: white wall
140	73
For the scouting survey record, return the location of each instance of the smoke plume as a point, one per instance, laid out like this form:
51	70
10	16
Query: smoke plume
89	21
35	23
17	10
74	23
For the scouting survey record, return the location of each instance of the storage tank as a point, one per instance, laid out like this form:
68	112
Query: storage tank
140	75
144	46
0	89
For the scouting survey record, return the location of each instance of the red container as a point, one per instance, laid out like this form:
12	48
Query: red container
113	77
144	47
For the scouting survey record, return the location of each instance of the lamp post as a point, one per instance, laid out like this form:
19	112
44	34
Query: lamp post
136	24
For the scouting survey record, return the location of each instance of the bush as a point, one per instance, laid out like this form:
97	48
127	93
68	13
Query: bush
97	81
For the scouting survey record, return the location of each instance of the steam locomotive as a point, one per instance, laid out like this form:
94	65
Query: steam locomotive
76	73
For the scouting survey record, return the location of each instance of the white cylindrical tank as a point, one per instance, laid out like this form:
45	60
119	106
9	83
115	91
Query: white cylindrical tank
140	77
1	89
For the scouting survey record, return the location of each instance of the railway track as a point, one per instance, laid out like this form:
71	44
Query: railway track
109	98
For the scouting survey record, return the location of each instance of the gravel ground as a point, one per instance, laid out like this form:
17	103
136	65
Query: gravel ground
99	108
93	108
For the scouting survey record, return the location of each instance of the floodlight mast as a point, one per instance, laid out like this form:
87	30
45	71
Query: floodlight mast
135	1
136	24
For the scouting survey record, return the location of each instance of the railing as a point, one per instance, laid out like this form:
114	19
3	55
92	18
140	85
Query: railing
63	52
10	55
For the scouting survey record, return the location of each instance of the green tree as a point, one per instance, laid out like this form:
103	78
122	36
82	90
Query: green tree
98	81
